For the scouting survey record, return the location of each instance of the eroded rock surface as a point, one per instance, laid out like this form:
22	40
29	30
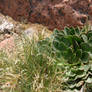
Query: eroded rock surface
17	9
11	30
51	13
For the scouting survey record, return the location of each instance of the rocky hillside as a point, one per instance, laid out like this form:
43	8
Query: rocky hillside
10	30
51	13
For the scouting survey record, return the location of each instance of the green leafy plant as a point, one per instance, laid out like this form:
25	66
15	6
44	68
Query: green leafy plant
77	76
75	46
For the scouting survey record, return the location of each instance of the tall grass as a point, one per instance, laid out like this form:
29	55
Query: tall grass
32	69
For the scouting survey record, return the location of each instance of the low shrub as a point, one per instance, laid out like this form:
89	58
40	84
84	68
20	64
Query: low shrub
75	46
62	61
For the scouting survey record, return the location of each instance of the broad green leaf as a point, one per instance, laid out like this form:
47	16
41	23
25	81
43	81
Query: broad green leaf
85	46
89	80
59	46
85	57
84	37
74	58
80	76
76	38
72	31
89	34
77	71
61	32
70	74
75	46
79	53
77	31
80	83
67	31
85	67
55	31
72	86
58	37
66	40
68	53
91	67
90	40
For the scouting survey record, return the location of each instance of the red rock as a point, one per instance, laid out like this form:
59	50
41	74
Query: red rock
51	13
7	44
15	8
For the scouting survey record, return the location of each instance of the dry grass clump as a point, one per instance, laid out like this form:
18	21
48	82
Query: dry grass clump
27	69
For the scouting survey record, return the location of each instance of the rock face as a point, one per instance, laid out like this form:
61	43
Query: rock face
11	30
51	13
15	8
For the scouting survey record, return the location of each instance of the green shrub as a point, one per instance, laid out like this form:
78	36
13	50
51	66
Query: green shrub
75	46
61	61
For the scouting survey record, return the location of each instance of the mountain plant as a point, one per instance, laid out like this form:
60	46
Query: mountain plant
75	46
62	61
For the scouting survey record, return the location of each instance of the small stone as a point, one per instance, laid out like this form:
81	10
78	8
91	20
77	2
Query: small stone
7	36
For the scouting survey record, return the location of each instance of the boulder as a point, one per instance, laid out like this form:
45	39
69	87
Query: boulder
51	13
18	9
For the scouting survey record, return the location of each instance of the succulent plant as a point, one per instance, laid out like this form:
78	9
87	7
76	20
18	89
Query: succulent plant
73	44
76	77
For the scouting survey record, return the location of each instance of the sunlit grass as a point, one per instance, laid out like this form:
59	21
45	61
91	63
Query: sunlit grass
28	69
